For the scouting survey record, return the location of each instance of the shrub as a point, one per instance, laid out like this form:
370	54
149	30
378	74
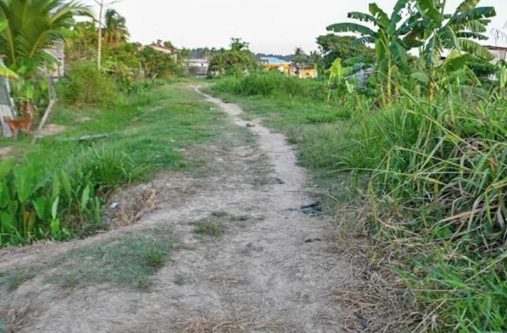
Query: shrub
89	86
272	84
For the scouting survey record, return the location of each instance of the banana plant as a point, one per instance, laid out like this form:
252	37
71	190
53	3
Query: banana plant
387	33
438	31
458	33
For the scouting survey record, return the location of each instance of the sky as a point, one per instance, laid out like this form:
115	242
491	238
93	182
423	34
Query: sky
270	26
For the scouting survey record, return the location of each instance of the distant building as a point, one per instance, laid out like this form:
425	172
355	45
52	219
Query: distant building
173	52
289	68
499	52
198	66
57	51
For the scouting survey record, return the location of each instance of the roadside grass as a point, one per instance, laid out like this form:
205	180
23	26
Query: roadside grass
128	260
430	180
57	186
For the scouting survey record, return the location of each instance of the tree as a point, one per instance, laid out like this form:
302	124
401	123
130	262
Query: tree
157	64
314	58
24	40
237	44
387	33
424	25
436	31
115	28
299	56
4	71
237	59
334	46
82	45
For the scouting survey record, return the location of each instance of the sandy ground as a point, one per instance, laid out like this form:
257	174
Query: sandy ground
274	269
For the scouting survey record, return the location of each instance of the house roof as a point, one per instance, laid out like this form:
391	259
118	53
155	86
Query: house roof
274	61
198	60
162	49
496	48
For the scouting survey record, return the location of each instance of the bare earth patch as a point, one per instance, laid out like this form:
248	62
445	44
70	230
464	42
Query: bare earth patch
272	267
51	130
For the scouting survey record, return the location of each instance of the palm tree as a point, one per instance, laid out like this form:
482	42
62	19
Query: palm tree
4	71
33	26
115	28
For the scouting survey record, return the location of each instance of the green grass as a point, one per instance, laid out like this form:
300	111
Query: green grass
433	175
56	188
129	260
208	227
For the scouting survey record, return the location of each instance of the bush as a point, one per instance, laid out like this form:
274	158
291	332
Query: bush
272	84
85	85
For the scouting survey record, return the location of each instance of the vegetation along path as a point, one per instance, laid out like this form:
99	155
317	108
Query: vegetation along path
248	253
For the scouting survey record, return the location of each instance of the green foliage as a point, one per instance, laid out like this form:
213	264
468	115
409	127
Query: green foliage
85	85
131	260
158	65
343	47
434	174
272	84
237	60
208	228
43	22
442	167
57	189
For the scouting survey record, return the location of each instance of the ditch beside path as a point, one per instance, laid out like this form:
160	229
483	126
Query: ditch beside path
266	266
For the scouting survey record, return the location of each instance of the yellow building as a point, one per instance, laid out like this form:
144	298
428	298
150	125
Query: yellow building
289	68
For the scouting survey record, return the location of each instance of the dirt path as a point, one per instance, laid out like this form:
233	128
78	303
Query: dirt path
273	270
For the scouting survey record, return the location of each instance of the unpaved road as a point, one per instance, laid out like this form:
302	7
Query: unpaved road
273	270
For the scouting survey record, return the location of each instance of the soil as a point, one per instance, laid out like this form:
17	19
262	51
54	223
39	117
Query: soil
274	269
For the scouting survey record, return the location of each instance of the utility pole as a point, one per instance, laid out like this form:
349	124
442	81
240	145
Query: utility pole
102	6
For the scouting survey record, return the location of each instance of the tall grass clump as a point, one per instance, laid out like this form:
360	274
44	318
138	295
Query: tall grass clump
438	190
272	84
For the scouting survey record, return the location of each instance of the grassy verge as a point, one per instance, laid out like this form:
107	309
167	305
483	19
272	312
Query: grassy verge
56	188
432	183
130	260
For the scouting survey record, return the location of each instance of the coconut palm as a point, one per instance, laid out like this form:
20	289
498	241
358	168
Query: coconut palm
4	71
115	28
33	26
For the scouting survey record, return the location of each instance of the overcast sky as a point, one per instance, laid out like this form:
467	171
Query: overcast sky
271	26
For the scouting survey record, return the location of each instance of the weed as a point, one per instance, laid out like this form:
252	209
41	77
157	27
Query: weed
209	228
129	260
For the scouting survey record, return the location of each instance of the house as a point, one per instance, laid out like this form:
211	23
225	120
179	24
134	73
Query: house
198	66
289	68
171	51
499	52
57	51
